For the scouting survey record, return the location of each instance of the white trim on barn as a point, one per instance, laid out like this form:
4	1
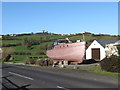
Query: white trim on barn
95	45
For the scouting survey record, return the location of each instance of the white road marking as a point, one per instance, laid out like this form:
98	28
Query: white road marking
62	88
21	76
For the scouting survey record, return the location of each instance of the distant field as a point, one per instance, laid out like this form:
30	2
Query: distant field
11	41
40	36
78	37
20	49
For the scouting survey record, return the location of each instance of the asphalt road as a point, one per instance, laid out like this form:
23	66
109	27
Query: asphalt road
20	76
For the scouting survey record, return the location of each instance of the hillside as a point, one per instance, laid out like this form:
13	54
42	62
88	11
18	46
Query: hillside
40	43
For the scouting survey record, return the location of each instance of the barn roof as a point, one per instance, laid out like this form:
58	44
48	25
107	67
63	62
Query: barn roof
104	42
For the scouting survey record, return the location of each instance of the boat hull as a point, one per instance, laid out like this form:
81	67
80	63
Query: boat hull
68	52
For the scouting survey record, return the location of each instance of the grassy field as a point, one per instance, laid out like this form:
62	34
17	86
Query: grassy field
87	37
22	58
11	42
19	49
40	36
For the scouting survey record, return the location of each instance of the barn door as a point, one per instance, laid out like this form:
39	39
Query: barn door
96	53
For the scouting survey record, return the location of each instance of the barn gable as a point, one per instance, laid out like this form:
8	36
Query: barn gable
95	51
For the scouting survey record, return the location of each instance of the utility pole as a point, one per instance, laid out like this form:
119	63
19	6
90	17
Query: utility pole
83	37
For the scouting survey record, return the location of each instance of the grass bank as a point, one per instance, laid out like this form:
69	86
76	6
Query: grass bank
95	69
22	58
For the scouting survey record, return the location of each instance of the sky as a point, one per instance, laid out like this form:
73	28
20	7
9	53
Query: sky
60	17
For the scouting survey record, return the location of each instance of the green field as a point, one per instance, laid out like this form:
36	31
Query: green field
40	36
11	42
87	37
22	58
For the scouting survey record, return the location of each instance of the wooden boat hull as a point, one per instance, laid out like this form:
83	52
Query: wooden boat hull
68	52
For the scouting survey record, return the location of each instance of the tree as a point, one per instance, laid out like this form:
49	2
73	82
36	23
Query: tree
6	53
28	42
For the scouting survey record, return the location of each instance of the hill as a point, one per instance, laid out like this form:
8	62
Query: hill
40	42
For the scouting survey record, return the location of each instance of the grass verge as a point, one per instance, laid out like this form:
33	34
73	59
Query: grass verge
98	70
95	69
22	58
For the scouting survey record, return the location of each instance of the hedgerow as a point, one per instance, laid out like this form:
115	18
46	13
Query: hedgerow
111	64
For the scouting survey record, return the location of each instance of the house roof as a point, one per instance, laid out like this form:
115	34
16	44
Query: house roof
104	42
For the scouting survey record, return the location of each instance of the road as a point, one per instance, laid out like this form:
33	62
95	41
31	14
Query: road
19	76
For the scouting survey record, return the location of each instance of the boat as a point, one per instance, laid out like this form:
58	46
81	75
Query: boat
65	50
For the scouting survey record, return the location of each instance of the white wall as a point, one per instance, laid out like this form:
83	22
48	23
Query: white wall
95	44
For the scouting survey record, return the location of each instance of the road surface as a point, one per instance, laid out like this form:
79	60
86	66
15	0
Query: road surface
21	76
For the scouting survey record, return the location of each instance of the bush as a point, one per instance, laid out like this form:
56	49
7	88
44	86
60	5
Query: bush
6	54
50	62
39	62
30	61
111	64
44	62
28	42
49	46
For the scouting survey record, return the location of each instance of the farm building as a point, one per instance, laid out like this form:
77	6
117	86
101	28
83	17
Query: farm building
97	49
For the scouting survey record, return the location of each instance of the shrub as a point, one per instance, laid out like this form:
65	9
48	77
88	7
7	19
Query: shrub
111	64
29	61
48	46
6	54
50	62
44	62
28	42
39	62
